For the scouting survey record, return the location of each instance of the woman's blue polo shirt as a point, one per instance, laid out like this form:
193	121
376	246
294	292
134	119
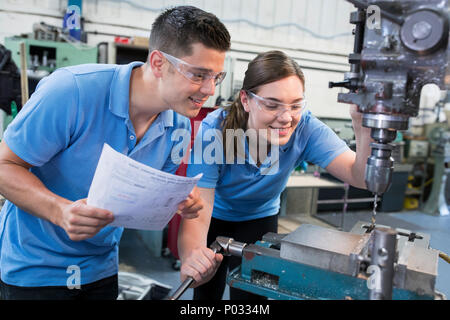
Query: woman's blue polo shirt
246	191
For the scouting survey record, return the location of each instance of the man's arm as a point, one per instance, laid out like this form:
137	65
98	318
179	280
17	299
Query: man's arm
197	260
350	166
24	189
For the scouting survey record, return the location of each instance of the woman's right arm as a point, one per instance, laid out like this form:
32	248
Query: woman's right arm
197	260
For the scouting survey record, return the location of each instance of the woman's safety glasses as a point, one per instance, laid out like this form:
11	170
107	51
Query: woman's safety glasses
277	108
197	75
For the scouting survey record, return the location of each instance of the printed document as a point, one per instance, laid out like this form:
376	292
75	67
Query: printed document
139	196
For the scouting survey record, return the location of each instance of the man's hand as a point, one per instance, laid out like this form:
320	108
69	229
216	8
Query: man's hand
201	265
81	221
190	207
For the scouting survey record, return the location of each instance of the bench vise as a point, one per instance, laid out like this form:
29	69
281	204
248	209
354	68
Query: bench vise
313	262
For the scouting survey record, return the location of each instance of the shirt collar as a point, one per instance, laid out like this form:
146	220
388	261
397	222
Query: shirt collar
119	94
167	118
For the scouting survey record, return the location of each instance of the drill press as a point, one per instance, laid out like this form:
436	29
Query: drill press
390	63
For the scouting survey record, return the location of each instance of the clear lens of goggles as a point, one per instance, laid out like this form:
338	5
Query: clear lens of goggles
193	73
278	108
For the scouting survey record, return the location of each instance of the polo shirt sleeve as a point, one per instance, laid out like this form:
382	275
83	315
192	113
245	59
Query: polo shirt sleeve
45	124
206	156
323	144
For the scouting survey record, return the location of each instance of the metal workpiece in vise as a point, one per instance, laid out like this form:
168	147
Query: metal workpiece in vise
392	60
230	247
224	245
380	257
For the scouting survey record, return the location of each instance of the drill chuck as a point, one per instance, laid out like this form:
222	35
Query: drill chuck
380	164
379	168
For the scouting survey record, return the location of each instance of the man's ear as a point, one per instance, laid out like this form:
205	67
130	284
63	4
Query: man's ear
244	100
156	61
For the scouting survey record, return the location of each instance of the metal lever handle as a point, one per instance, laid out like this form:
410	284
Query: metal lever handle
221	244
344	84
184	286
186	283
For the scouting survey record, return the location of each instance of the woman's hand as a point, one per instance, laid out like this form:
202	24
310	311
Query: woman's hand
201	264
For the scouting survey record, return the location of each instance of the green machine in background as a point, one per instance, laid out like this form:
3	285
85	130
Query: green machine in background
45	52
49	47
44	55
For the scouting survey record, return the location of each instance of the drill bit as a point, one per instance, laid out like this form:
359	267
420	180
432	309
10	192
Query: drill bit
374	211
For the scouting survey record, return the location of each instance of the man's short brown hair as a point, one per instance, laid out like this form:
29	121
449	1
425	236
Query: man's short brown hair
177	29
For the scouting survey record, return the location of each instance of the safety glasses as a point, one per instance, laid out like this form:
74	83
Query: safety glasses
277	108
195	74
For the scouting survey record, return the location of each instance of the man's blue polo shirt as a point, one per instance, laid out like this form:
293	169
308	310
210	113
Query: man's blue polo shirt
246	191
61	131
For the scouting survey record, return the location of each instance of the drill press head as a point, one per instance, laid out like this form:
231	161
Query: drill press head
390	64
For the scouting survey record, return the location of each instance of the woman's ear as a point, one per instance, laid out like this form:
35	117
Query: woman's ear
244	100
156	61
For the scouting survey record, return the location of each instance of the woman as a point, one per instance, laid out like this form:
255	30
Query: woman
243	195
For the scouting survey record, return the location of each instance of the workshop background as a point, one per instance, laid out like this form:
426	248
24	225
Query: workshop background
319	36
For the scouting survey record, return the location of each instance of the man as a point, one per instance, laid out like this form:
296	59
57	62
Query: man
48	233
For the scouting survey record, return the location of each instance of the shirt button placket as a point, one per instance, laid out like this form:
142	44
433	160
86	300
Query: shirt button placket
131	141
